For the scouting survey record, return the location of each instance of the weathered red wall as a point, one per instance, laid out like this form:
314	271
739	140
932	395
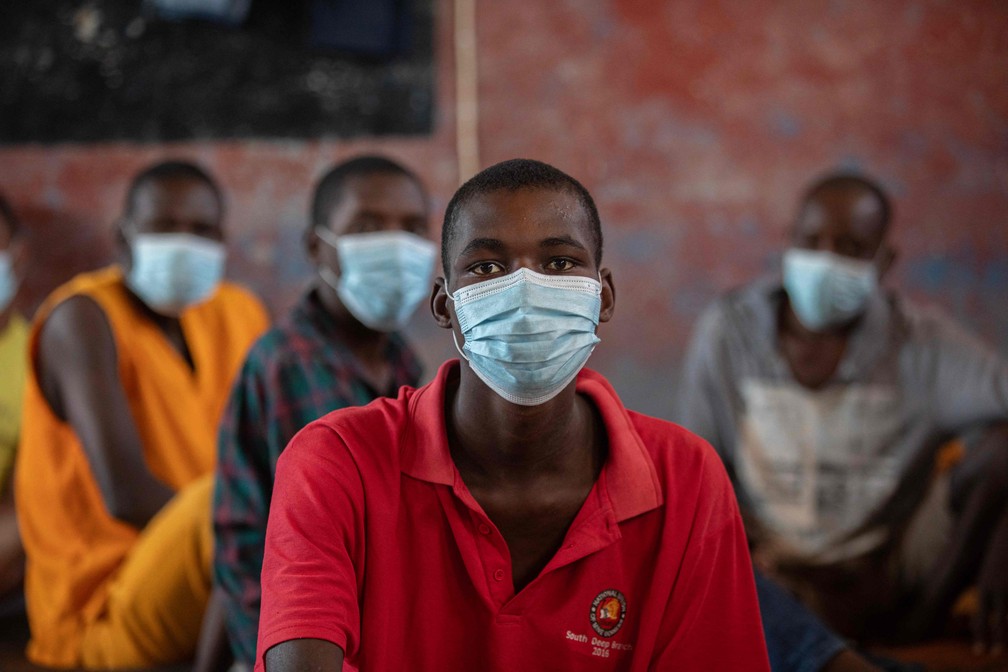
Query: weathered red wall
695	123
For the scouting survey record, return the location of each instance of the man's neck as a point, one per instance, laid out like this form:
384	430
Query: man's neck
369	347
495	442
813	356
169	326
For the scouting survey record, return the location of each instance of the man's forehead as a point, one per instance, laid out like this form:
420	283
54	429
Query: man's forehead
168	191
553	209
850	207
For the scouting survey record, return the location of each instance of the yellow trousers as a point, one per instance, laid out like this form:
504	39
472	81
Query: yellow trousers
157	599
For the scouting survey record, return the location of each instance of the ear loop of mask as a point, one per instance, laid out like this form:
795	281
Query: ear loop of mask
454	338
328	276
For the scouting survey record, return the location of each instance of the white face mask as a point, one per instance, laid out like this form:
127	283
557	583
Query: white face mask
527	335
827	289
384	275
172	271
8	282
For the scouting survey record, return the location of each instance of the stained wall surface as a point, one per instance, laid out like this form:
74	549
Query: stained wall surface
695	124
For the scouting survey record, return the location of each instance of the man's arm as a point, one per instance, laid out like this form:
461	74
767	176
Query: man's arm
978	547
314	556
78	373
698	401
12	559
298	655
969	389
712	619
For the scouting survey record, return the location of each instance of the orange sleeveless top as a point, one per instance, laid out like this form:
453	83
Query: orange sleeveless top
73	545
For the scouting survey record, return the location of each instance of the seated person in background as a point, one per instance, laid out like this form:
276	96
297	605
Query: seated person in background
338	347
512	514
828	399
13	362
130	370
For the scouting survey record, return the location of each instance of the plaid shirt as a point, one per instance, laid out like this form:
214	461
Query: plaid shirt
296	373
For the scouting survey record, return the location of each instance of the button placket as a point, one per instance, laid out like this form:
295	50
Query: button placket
493	550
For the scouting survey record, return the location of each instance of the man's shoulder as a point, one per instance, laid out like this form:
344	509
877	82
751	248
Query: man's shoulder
365	434
742	320
293	346
922	321
746	304
691	475
233	297
87	304
928	331
672	445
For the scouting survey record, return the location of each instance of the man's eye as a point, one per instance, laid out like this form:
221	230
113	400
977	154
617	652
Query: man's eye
560	265
851	250
486	268
207	230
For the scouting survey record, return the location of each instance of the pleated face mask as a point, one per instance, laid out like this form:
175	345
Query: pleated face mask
527	335
384	275
826	289
172	271
8	282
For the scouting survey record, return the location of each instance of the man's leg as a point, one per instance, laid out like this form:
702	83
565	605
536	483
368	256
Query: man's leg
978	494
797	641
156	601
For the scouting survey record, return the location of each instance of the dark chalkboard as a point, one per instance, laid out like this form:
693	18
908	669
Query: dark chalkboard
125	70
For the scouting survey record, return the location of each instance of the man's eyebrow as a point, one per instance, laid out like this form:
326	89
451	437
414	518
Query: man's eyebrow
562	241
492	244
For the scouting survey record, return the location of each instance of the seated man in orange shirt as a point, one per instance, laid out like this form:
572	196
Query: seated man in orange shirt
130	370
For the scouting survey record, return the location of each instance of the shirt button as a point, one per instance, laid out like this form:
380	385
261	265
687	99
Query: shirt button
499	575
484	528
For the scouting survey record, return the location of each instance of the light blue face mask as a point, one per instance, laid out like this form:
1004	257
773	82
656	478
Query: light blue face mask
8	283
527	335
826	289
384	275
172	271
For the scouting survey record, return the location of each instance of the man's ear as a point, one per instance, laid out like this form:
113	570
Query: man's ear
439	303
886	260
18	250
311	245
119	235
608	295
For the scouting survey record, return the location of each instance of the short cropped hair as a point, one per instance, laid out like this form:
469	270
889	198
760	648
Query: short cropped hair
170	170
10	220
515	175
330	188
854	181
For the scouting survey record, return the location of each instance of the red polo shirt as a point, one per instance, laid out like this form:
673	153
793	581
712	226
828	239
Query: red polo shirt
375	543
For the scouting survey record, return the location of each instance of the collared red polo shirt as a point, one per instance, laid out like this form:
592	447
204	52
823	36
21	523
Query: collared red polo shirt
375	544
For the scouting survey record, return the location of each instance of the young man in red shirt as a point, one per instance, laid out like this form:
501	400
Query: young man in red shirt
512	514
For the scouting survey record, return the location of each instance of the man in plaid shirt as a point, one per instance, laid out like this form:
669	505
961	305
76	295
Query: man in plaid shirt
338	347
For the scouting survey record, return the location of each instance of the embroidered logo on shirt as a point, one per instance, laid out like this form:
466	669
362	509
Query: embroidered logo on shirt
607	612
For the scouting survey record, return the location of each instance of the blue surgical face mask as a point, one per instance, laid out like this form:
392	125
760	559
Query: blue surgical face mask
527	335
826	289
384	275
8	282
172	271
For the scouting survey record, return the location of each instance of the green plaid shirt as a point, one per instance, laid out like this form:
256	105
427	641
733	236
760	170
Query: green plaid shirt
296	373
